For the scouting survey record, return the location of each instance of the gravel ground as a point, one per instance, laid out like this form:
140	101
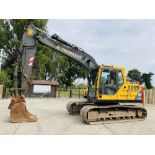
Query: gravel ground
54	120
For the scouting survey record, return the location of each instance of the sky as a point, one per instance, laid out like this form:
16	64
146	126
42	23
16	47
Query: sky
126	43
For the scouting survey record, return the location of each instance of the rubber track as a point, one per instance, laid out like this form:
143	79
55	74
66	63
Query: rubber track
75	107
86	109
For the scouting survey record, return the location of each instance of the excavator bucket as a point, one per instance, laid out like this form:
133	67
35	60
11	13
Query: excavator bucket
19	112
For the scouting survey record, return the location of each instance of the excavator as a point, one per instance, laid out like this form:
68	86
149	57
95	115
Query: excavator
108	86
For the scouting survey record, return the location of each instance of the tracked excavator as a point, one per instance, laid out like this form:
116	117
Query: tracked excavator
107	85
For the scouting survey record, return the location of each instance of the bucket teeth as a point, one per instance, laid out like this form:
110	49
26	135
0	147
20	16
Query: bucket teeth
19	112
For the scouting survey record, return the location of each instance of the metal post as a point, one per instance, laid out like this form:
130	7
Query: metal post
59	93
79	93
70	93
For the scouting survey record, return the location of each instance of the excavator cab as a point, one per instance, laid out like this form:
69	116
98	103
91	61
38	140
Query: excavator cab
110	81
112	86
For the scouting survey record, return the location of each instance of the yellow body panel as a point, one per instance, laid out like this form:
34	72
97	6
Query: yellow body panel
123	93
85	92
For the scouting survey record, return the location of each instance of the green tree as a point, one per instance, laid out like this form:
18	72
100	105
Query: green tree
4	78
7	38
49	64
11	32
73	72
147	78
134	75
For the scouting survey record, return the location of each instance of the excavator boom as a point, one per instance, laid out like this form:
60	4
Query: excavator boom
33	36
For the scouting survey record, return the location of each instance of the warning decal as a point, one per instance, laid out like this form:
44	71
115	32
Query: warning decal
30	61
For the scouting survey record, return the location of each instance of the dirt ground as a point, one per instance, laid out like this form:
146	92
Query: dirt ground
54	120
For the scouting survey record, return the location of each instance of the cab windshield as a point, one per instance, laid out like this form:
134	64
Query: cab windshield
110	81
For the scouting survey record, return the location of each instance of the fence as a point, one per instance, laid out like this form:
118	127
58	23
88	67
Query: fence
150	96
70	93
78	93
1	91
60	93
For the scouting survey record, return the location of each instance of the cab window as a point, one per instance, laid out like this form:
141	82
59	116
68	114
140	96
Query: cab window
108	82
120	79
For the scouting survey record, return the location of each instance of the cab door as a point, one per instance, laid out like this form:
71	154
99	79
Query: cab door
108	86
122	90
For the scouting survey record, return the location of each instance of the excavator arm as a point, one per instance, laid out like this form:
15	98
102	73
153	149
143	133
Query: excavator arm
33	36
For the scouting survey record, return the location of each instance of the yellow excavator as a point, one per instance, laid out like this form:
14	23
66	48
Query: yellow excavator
85	92
107	85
